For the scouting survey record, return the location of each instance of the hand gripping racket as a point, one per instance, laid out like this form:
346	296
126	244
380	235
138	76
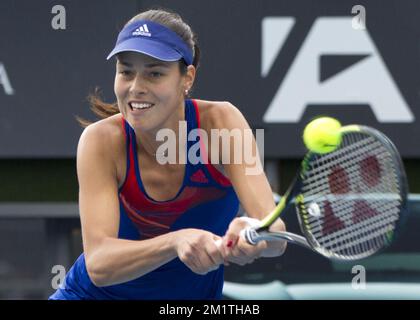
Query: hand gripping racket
349	202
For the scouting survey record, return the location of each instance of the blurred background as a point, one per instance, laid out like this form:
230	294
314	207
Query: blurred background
281	62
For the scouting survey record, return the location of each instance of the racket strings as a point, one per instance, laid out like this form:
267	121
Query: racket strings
368	237
351	171
357	191
341	201
341	206
372	224
321	170
368	224
368	231
348	166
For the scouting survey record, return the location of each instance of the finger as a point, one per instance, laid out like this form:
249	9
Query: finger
236	228
242	248
230	240
239	261
220	245
218	242
190	262
244	253
223	250
192	265
205	260
243	260
215	255
238	258
262	245
231	237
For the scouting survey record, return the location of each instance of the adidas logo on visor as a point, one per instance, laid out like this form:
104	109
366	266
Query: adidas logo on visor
142	31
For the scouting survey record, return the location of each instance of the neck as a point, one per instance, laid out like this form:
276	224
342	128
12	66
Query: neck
147	140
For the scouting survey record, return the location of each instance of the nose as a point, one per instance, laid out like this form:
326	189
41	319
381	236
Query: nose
138	85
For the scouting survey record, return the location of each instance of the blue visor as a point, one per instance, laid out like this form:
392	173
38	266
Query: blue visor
154	40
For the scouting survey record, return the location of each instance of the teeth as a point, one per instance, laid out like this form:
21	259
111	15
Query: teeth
136	105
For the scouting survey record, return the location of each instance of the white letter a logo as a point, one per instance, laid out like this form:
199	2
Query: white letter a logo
366	81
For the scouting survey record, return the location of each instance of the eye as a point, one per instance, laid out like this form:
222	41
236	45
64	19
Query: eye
156	74
125	72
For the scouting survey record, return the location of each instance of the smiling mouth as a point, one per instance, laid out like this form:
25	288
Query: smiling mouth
140	105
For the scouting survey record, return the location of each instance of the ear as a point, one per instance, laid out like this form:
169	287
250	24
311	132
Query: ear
189	77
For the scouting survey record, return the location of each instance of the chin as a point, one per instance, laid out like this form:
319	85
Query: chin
141	124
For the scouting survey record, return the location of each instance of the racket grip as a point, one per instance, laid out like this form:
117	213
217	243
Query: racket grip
249	234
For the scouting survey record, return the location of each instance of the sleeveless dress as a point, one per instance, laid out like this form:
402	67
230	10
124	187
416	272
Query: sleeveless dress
206	200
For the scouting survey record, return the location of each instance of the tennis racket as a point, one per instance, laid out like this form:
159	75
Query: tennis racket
350	203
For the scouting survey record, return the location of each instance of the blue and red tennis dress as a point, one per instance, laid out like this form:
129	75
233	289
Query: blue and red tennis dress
205	201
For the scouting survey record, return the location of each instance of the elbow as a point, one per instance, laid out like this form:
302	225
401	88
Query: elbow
96	273
97	280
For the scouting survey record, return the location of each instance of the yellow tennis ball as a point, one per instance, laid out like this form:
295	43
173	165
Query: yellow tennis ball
322	135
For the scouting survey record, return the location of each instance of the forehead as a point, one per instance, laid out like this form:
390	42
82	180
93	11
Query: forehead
140	59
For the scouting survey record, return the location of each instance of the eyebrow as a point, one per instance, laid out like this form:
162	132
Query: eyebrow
148	65
125	63
157	64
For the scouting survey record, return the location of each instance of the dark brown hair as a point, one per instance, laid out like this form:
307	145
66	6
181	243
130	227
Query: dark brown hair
164	17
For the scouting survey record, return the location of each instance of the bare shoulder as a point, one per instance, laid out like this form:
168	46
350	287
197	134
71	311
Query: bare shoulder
218	114
104	137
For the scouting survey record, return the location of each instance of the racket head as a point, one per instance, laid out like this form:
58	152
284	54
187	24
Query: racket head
352	201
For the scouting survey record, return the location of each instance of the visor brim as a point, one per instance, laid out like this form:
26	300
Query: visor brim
148	47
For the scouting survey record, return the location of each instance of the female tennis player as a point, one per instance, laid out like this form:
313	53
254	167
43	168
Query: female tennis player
150	229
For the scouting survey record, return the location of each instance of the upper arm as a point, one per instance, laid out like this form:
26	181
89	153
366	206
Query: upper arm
246	174
98	188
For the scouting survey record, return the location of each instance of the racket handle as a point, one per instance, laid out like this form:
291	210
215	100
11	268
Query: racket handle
253	237
250	235
252	223
218	242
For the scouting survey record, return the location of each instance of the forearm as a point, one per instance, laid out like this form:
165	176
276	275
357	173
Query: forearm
117	260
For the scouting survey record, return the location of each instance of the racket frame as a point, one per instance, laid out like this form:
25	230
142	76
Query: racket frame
293	195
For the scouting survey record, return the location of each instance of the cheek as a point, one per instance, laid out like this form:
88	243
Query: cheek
116	88
119	88
171	90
